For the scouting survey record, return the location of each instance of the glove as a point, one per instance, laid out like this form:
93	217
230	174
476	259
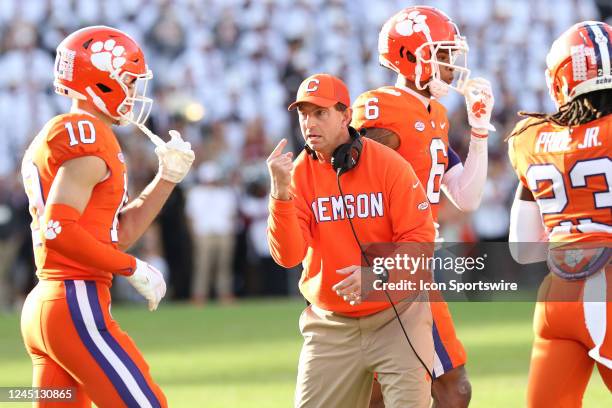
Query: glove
149	282
175	158
479	102
438	240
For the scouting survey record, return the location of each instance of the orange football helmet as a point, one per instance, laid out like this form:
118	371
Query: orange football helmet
410	40
107	68
579	61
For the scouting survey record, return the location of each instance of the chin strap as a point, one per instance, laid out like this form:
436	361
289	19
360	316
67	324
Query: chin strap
157	141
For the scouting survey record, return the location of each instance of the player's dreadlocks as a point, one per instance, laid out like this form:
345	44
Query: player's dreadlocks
582	109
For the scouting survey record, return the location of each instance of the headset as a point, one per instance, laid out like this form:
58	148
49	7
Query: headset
345	158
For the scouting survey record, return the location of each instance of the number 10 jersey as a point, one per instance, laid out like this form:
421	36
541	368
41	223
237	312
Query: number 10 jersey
63	138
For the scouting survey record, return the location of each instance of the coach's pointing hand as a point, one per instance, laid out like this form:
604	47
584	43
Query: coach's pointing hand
280	165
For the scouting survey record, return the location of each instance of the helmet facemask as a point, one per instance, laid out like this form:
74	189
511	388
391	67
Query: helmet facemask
136	106
457	53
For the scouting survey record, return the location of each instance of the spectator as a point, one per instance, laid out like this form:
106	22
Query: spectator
211	208
229	67
273	280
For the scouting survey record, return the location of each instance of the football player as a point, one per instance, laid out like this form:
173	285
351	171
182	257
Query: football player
75	177
563	161
424	47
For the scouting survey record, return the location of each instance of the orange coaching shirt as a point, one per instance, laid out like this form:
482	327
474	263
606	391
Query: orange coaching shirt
569	172
63	138
422	132
382	196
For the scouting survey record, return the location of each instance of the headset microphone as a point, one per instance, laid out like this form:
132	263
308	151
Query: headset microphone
310	151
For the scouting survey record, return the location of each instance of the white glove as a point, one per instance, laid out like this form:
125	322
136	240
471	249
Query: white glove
175	158
438	239
479	102
149	282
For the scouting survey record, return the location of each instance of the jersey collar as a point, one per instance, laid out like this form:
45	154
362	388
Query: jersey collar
425	100
82	112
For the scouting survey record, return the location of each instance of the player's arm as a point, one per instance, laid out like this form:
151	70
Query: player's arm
526	228
526	224
379	115
68	197
175	159
384	136
464	184
136	217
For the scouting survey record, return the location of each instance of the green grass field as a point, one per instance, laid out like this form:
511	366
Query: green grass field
246	355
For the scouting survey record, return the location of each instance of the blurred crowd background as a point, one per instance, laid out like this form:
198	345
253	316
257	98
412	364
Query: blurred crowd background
224	72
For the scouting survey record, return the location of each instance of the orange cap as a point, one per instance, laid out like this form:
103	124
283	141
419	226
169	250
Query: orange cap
322	90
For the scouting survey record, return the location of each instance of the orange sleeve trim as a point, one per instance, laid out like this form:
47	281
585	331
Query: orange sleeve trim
65	147
63	234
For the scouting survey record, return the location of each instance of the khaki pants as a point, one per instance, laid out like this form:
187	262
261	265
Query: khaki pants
340	355
211	248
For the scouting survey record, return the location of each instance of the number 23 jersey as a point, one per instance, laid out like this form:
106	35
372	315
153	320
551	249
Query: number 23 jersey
569	172
67	137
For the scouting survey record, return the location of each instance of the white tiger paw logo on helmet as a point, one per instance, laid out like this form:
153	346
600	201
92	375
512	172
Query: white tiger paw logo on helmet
411	23
107	56
53	229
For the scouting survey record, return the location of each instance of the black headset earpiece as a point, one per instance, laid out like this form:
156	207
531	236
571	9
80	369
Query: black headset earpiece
346	156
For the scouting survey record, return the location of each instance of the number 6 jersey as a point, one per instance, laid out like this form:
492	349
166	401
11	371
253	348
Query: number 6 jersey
569	172
67	137
422	131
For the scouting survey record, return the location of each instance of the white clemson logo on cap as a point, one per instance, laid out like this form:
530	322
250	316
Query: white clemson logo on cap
420	126
107	56
312	85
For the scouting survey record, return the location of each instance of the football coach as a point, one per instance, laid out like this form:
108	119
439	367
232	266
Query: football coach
340	192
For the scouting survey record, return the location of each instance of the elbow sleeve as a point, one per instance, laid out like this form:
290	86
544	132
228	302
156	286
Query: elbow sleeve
63	234
526	229
464	185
